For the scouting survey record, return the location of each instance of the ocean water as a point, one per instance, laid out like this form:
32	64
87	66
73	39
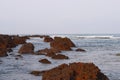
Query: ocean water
101	49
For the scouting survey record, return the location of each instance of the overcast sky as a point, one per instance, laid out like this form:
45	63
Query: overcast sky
59	16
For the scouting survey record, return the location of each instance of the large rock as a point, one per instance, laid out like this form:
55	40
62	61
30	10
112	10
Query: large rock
62	43
75	71
48	39
6	41
27	48
9	41
5	45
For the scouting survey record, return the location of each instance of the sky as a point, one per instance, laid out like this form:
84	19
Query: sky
59	16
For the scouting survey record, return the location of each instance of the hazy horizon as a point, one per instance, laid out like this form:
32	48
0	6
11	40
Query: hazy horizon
59	16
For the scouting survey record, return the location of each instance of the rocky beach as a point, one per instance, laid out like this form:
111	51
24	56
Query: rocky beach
54	57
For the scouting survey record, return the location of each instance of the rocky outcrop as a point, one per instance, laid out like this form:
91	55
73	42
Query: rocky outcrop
45	61
62	43
6	44
26	48
80	50
48	39
6	41
75	71
60	56
9	41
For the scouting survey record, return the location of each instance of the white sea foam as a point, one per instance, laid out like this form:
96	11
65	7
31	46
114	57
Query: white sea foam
97	37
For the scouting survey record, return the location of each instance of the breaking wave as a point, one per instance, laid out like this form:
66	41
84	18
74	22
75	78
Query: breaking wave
97	37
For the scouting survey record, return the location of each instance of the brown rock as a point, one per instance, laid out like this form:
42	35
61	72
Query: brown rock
60	56
6	44
48	52
3	52
9	50
3	44
75	71
80	50
118	54
69	42
62	43
43	51
51	54
19	40
37	73
7	41
45	61
27	48
48	39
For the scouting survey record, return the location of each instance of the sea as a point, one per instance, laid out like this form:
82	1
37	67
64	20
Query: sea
101	49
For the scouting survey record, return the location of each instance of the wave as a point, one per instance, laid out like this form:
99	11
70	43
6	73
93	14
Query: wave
97	37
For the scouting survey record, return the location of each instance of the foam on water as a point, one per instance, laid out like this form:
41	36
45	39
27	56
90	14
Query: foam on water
96	37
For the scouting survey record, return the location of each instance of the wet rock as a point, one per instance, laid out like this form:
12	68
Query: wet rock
3	52
5	45
37	73
45	61
74	71
27	48
19	40
2	43
43	51
80	50
9	42
62	43
6	41
9	50
118	54
48	39
60	56
48	52
18	56
69	42
51	54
